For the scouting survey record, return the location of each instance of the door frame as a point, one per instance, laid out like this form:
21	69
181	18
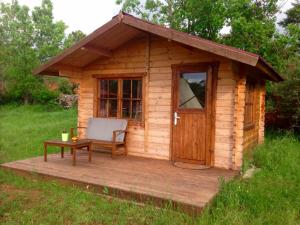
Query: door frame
212	68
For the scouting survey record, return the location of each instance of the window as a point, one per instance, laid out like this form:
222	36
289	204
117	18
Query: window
192	88
249	106
120	98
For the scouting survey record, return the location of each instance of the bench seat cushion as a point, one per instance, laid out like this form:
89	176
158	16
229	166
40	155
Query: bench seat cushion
102	129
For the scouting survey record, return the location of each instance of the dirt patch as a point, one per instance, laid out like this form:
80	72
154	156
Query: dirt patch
13	192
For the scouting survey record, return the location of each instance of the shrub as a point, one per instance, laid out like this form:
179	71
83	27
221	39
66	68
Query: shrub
45	96
289	100
66	87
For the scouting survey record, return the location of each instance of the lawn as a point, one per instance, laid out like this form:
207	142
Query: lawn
272	196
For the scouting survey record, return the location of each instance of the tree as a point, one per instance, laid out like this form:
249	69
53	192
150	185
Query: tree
29	38
204	18
287	93
252	24
292	15
18	57
48	35
73	37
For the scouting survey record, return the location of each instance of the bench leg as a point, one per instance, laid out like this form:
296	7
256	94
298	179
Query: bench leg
62	152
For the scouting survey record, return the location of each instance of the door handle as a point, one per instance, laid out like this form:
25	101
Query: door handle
176	117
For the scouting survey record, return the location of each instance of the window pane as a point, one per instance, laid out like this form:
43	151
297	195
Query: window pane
126	88
112	108
126	109
113	88
249	105
102	108
137	89
103	88
192	88
137	110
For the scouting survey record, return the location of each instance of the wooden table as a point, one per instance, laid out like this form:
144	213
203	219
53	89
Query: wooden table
72	145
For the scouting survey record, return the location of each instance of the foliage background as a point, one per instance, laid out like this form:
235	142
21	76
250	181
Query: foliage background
31	37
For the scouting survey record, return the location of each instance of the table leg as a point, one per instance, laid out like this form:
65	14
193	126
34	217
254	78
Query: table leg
45	152
74	156
90	152
62	152
71	151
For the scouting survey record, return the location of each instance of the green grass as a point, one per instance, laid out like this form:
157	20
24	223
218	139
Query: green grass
272	196
23	129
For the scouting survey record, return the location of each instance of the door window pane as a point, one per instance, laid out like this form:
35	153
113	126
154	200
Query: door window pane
192	88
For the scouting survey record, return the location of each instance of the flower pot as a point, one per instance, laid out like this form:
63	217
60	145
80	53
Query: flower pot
65	136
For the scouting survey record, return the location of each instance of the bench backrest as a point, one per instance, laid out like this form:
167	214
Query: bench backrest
102	129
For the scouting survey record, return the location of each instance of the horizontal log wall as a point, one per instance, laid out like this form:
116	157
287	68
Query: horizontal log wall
224	115
132	58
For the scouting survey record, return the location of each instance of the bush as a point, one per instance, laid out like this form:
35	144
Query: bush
45	96
66	87
288	103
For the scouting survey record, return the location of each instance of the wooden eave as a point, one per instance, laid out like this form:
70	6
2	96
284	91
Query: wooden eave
99	44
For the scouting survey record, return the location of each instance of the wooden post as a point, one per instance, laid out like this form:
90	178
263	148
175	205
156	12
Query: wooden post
62	152
45	152
74	156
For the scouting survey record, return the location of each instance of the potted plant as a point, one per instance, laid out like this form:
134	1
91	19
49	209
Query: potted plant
65	135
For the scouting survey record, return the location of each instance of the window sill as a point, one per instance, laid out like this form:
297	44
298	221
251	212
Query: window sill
136	123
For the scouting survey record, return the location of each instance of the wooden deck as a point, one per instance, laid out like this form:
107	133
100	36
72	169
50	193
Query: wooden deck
136	177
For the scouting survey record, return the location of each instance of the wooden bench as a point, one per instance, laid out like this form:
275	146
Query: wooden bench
106	133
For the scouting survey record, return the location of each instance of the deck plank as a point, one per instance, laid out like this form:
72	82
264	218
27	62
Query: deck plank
143	176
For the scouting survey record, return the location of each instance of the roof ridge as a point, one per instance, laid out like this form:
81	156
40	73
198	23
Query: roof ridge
191	35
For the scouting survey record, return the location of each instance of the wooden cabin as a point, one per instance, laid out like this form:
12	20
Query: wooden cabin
186	99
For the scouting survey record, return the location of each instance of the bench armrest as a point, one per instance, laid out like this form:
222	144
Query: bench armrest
117	133
73	128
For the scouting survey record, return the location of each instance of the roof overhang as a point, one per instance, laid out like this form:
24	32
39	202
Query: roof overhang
123	28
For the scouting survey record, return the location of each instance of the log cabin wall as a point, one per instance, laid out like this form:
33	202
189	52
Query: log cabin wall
225	103
255	135
155	57
238	121
261	123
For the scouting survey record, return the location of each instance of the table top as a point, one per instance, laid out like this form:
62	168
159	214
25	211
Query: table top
80	142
